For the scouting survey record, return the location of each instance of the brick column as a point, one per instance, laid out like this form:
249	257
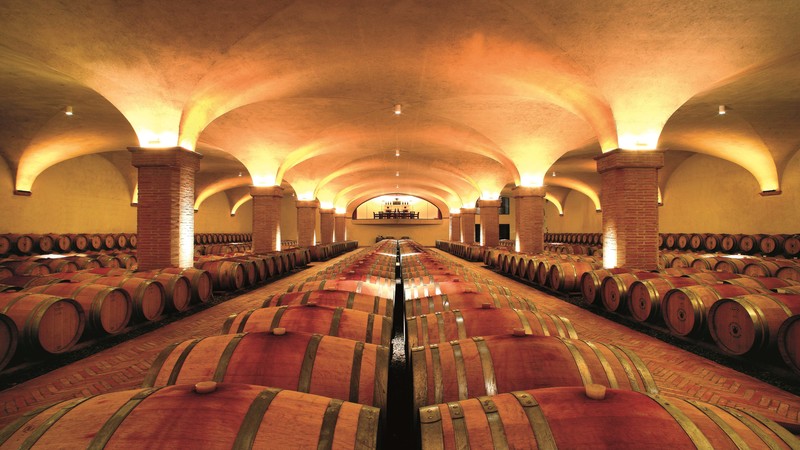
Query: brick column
455	226
266	218
165	215
468	225
629	197
490	222
340	227
306	222
326	225
529	222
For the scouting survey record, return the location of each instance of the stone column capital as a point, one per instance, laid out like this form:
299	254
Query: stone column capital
630	159
266	191
327	211
307	204
482	203
169	157
527	191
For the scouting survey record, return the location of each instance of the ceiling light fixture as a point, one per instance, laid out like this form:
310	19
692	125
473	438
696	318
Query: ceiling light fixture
554	173
397	152
68	110
722	110
398	109
240	173
397	174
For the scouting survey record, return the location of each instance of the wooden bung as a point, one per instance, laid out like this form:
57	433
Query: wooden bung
205	387
596	391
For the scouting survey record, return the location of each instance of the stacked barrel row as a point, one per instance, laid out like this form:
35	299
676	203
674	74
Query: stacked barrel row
41	244
748	265
594	239
46	264
787	245
304	369
222	238
519	390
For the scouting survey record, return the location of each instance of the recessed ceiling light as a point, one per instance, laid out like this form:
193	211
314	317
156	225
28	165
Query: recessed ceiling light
722	110
68	110
397	152
397	174
398	109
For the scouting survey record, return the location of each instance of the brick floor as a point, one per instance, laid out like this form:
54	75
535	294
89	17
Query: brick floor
676	371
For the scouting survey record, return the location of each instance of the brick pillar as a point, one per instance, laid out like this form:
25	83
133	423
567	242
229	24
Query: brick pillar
165	216
490	222
266	218
468	225
306	222
629	198
529	219
340	227
455	226
326	225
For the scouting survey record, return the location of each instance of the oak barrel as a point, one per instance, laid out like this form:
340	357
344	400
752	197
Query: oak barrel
148	296
591	282
644	296
767	268
769	283
199	280
750	323
9	339
360	287
565	276
341	322
345	299
453	287
107	309
323	365
491	365
206	415
465	300
685	309
225	275
46	323
614	289
789	342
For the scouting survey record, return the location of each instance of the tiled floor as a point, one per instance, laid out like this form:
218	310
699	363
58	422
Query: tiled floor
676	371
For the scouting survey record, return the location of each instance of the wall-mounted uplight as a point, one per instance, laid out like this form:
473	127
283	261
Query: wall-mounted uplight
398	109
397	152
68	110
240	174
554	173
722	110
397	174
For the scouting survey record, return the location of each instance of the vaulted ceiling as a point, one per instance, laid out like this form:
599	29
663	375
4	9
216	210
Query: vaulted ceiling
492	93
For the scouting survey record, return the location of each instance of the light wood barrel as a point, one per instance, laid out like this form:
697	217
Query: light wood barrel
789	273
57	265
199	280
573	417
9	339
447	287
769	283
789	342
148	296
644	296
465	300
462	369
750	323
323	365
446	326
767	268
685	309
733	265
225	275
360	287
208	415
46	323
108	309
27	267
345	299
341	322
566	276
712	277
591	282
177	288
614	289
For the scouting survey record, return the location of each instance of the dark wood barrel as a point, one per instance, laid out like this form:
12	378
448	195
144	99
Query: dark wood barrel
107	309
566	276
706	262
62	243
360	287
446	326
132	240
199	280
750	323
42	243
109	261
177	288
491	365
9	339
148	296
712	277
696	242
591	282
121	240
57	265
323	365
595	417
465	300
749	243
95	242
341	322
80	242
614	289
730	243
712	242
345	299
453	287
225	275
21	244
206	415
27	267
109	241
5	245
771	244
85	262
768	283
683	241
46	323
685	309
733	265
767	268
789	342
789	273
644	296
791	246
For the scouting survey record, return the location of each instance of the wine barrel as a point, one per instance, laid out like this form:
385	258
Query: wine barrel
310	318
712	277
591	282
767	268
730	243
121	240
771	244
706	262
9	339
199	280
84	262
62	243
148	296
57	265
452	287
597	418
80	242
696	242
465	300
225	275
132	240
685	309
95	242
46	323
446	326
491	365
614	289
109	241
359	287
789	273
789	342
28	281
644	296
27	267
323	365
5	245
712	242
768	283
42	243
345	299
791	246
565	276
206	415
734	265
109	261
750	323
749	243
177	288
107	309
21	244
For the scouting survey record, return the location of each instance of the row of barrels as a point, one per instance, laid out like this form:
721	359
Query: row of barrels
324	366
221	238
529	406
42	244
590	239
221	249
37	265
753	266
787	245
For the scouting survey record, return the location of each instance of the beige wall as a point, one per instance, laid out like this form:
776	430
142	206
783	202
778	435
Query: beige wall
710	195
424	234
579	216
82	195
214	216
